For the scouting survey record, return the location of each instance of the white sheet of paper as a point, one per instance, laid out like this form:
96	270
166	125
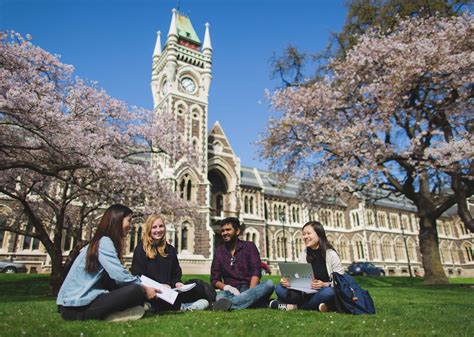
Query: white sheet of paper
167	294
185	288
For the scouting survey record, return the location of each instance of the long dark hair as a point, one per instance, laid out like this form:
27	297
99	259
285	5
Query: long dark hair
323	240
111	225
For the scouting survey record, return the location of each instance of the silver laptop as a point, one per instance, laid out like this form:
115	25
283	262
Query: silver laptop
299	275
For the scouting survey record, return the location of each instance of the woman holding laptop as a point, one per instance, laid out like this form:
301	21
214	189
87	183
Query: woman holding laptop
324	261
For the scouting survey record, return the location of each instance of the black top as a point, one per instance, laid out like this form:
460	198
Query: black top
318	264
161	269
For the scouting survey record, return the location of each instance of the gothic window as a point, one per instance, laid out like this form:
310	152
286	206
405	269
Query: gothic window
343	249
251	205
246	204
374	248
186	188
394	221
399	250
443	249
339	219
411	250
184	238
370	218
405	222
359	249
131	246
219	202
181	189
30	243
355	219
188	191
387	249
381	219
251	235
265	211
324	217
282	245
467	251
275	213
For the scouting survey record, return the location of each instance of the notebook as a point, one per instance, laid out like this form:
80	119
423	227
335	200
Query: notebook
299	275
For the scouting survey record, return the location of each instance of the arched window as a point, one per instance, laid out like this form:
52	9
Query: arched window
181	189
467	252
359	249
387	248
139	234
370	218
246	205
186	188
412	250
400	250
374	248
131	246
188	191
343	249
265	210
275	213
219	202
184	238
381	219
251	205
30	243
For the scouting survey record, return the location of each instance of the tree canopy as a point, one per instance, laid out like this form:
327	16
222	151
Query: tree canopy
396	113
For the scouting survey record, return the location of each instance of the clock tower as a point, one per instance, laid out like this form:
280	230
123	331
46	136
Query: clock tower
181	78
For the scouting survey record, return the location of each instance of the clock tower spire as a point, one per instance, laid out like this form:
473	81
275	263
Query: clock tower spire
180	83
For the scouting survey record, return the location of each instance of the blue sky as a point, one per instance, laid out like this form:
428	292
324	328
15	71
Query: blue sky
112	42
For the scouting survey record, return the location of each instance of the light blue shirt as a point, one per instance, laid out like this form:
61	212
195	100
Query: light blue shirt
81	287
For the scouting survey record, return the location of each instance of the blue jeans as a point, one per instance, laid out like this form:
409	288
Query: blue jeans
308	301
256	297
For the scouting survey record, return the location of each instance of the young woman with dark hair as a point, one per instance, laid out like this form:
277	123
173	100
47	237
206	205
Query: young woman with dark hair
324	261
155	258
98	286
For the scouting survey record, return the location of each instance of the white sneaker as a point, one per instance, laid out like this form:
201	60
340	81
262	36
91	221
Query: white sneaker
201	304
130	314
323	307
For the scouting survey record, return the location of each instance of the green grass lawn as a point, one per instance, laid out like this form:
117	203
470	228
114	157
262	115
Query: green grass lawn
404	307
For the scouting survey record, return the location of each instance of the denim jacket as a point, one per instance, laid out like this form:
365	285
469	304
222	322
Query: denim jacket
81	287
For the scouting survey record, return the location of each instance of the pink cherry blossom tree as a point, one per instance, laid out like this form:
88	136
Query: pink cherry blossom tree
67	150
396	113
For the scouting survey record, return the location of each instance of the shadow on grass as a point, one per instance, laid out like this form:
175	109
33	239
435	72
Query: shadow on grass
18	287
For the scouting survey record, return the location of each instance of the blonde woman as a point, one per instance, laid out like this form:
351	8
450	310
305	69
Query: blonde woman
155	258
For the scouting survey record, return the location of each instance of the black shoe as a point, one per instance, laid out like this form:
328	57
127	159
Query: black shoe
274	304
222	304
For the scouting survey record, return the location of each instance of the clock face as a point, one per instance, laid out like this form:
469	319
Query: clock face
165	87
188	84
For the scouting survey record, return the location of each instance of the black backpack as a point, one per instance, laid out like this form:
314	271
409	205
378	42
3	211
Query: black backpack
350	298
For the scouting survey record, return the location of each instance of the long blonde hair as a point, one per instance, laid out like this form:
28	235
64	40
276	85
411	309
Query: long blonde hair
149	245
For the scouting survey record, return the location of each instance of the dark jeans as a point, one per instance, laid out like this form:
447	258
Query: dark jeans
190	296
306	301
116	300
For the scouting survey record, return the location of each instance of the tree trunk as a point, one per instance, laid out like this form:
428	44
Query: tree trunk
428	236
57	272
